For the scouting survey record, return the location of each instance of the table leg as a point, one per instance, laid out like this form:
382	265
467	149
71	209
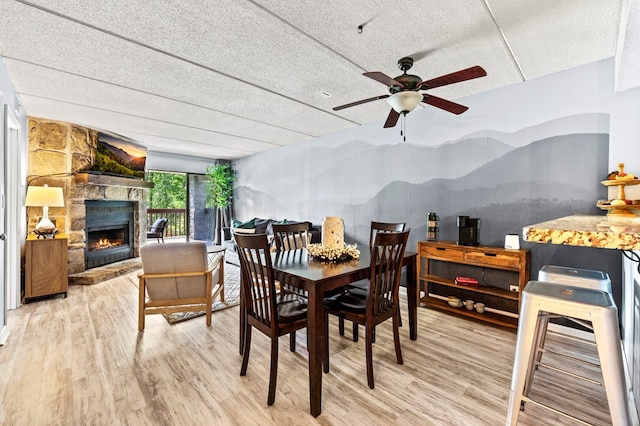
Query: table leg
412	298
315	330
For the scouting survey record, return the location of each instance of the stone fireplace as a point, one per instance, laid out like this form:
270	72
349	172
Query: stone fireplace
100	198
57	151
109	232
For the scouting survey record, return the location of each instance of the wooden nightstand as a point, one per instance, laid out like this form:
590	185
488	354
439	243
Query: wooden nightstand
46	266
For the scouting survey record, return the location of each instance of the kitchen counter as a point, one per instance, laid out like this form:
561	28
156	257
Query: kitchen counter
587	231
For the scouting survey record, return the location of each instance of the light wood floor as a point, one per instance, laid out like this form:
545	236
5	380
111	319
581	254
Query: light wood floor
80	361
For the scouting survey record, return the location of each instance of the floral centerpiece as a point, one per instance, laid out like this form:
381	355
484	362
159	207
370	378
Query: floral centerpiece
348	251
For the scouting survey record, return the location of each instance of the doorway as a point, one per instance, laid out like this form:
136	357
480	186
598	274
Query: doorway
181	198
3	222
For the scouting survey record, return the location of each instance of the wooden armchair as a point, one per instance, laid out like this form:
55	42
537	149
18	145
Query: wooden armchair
157	229
177	278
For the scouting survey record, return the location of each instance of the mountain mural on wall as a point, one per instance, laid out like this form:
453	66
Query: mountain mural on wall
506	185
363	165
558	175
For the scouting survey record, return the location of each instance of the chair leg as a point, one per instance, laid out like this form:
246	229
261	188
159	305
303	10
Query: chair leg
396	339
369	354
325	360
245	351
399	317
221	279
355	332
273	374
341	326
292	341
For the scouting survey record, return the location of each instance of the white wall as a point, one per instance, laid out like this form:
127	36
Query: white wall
162	162
13	128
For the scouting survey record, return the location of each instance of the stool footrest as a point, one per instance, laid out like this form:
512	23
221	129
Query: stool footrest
569	416
571	337
569	373
578	360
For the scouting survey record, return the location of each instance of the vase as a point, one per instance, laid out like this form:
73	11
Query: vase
333	232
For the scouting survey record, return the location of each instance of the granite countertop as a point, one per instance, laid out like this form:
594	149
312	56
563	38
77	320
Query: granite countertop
587	231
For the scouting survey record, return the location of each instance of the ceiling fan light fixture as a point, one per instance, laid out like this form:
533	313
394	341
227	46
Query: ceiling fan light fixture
404	102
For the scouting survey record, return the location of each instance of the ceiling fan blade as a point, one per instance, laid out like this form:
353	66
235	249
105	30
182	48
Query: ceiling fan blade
392	119
363	101
444	104
383	78
454	77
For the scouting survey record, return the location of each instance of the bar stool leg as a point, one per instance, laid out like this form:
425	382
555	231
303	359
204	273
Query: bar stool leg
536	352
607	337
524	358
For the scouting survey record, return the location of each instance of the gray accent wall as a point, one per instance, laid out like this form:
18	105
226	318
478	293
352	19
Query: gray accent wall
523	154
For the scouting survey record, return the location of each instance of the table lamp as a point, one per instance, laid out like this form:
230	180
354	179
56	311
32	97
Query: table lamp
45	197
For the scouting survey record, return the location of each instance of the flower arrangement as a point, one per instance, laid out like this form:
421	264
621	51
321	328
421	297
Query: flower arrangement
349	251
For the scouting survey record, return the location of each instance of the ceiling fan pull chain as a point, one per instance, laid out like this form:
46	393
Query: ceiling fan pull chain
403	132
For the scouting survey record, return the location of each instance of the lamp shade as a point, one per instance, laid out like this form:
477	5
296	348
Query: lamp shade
404	102
44	196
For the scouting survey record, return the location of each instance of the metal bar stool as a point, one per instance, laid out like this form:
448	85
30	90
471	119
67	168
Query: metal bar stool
540	299
574	277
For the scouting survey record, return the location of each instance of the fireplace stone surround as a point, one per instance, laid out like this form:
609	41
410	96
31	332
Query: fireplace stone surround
80	193
56	151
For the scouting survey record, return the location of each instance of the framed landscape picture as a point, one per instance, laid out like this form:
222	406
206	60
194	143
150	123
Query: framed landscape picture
118	157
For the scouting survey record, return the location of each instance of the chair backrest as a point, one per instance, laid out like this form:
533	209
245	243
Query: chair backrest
387	253
170	259
383	227
257	278
291	236
159	225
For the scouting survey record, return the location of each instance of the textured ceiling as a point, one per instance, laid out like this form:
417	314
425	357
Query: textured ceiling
230	78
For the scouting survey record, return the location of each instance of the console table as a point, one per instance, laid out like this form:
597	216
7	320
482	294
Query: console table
440	262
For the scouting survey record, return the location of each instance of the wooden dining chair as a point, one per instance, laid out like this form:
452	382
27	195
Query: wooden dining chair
261	306
360	288
290	236
381	302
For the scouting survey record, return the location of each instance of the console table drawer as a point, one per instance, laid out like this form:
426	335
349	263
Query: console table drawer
445	253
494	259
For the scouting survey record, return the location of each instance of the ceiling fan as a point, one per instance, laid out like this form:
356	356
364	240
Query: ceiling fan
405	95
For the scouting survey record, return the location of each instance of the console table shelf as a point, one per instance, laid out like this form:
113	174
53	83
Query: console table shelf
491	317
441	261
494	291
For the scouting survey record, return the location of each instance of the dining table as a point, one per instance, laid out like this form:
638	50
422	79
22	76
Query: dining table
298	269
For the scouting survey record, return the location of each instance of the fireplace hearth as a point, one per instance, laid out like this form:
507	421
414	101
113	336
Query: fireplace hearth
109	232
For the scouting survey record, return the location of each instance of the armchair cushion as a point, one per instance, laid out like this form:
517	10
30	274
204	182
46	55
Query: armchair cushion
172	259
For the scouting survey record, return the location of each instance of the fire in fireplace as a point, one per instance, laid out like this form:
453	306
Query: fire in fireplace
107	238
109	230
